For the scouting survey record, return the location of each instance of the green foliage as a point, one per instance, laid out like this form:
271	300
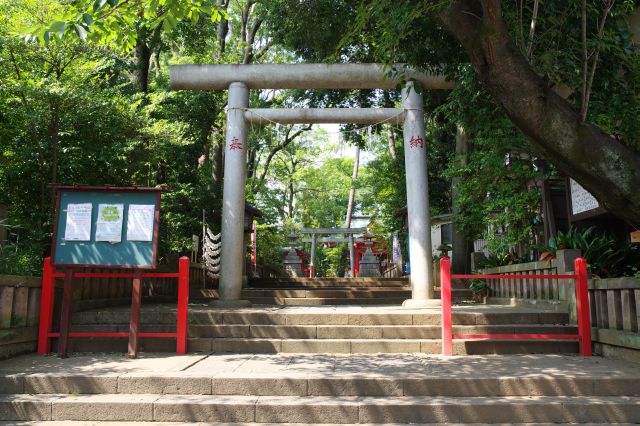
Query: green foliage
271	241
69	114
606	256
496	195
73	112
496	260
478	286
118	23
333	262
23	258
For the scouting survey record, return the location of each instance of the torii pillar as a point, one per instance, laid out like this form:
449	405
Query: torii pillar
415	160
235	176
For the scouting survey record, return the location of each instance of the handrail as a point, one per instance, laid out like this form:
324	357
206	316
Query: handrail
582	307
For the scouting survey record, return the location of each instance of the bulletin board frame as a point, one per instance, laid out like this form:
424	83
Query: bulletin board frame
122	255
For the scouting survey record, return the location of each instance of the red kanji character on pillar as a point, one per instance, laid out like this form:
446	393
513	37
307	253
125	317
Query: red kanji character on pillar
416	142
235	144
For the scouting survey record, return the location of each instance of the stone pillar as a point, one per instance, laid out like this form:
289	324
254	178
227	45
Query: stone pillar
415	159
235	174
567	288
292	262
312	260
476	258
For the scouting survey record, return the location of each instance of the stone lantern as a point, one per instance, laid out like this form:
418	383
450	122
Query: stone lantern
369	265
292	262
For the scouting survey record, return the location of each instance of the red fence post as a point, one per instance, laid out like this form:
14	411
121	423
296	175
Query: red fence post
582	306
445	296
46	307
183	302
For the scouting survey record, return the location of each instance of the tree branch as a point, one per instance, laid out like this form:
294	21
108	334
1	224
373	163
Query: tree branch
251	36
577	149
587	81
287	140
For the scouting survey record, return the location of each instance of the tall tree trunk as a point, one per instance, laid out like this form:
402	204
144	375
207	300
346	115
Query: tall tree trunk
461	245
602	164
352	191
54	126
391	141
290	199
223	26
143	60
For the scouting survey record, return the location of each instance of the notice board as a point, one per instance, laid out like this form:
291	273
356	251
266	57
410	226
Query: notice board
106	227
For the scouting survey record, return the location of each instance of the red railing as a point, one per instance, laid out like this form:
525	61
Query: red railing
49	276
582	307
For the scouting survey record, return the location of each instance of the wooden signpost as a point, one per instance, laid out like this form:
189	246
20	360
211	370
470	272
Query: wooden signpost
106	227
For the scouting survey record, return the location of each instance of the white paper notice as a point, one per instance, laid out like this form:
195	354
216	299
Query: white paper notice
78	222
109	226
581	199
140	222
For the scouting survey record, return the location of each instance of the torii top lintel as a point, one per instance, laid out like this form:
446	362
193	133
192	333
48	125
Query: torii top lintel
299	76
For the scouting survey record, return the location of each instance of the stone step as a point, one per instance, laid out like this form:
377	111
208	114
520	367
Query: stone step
326	281
361	332
330	346
319	409
332	293
334	331
356	346
323	316
400	383
329	301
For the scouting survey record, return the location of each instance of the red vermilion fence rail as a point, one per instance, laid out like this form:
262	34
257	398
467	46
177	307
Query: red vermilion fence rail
582	306
50	274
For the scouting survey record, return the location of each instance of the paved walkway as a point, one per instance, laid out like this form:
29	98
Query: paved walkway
289	381
297	365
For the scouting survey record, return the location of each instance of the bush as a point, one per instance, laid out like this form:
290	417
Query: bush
20	259
606	255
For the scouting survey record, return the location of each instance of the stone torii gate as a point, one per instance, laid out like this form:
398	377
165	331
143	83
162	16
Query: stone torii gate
329	231
239	79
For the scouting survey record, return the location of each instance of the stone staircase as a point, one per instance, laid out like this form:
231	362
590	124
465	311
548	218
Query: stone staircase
327	291
321	389
324	329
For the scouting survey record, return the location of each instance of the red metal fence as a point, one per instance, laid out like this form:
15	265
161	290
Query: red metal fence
582	306
48	291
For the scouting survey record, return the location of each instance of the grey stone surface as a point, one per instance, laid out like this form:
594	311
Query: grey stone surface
385	346
309	410
349	386
267	346
283	332
185	408
11	383
26	407
70	383
104	407
316	346
144	383
349	332
256	385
